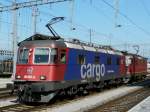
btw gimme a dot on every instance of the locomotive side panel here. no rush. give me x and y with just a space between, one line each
112 66
84 64
140 65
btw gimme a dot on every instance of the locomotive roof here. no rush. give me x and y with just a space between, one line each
78 44
132 54
35 40
38 37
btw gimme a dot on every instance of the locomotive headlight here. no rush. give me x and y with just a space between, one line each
42 77
18 77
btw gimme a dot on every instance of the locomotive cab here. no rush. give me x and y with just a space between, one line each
31 62
37 60
40 66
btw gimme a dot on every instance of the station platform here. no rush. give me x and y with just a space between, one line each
4 82
143 106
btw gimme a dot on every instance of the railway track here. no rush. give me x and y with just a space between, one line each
5 93
124 103
33 108
3 89
16 108
120 105
41 107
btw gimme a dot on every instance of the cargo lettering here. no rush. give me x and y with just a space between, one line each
92 70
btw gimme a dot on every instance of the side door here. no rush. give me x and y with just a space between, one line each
122 65
128 64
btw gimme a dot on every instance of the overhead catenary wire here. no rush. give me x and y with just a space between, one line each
101 12
98 10
107 17
29 4
78 25
145 7
20 25
86 29
10 1
127 18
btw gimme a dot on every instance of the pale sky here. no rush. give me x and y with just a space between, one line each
98 15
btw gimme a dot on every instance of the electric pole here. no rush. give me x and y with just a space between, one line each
116 13
71 14
110 37
14 37
0 16
34 15
90 31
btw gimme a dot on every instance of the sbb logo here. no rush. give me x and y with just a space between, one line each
92 70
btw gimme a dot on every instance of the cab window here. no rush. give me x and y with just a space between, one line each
53 56
41 55
63 56
23 56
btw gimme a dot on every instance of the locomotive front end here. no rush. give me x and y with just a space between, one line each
37 70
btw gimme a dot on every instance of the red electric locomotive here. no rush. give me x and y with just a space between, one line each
135 65
50 65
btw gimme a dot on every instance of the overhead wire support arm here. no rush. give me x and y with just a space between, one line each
29 4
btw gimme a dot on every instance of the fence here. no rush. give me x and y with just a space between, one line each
6 62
